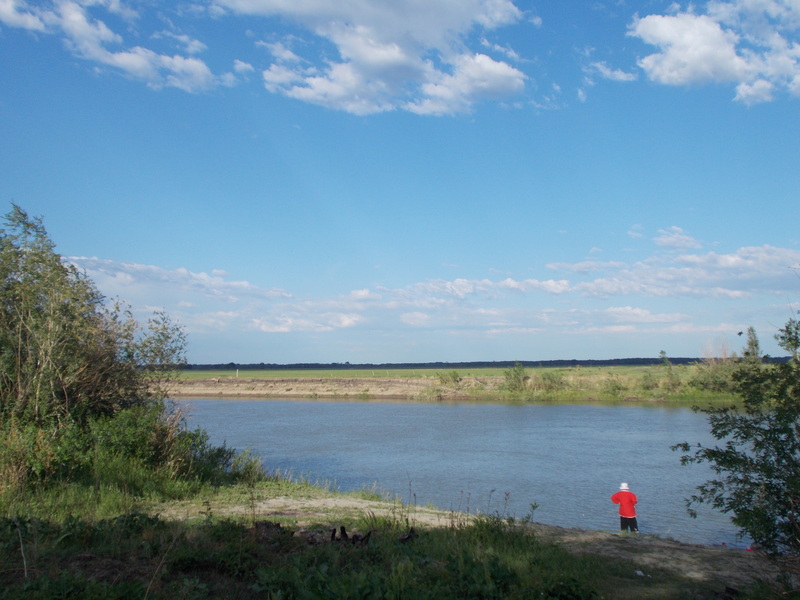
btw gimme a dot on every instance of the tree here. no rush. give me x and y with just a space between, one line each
71 363
64 353
752 349
758 466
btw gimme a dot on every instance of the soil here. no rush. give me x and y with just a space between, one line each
400 388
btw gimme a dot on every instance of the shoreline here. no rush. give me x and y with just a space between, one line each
332 388
719 567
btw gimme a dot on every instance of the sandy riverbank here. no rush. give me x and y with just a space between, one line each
660 564
405 388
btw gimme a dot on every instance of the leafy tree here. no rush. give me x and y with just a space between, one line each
752 349
64 353
672 381
71 363
757 466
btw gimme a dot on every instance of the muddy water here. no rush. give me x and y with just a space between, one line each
568 459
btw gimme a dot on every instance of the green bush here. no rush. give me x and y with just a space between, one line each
715 375
649 381
757 464
83 385
551 381
515 379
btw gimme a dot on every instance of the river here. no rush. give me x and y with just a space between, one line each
568 459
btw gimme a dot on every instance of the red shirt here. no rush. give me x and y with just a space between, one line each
627 503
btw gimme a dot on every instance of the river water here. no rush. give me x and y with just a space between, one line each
568 459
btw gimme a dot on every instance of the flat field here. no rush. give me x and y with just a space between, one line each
652 383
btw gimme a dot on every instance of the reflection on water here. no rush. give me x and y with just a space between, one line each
568 459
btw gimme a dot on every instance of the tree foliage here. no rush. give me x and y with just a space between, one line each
757 464
65 354
83 386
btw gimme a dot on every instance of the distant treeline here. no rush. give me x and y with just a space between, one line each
615 362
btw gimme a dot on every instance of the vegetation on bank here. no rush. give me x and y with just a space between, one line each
704 382
756 462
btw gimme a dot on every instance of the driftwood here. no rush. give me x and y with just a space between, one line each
356 539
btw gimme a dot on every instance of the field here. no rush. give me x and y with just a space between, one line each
331 373
653 383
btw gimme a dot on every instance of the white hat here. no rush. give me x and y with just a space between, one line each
623 486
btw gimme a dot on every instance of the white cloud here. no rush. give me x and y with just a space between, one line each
587 266
674 237
693 49
406 54
415 319
681 294
607 72
750 43
16 13
298 323
641 315
190 45
91 39
474 77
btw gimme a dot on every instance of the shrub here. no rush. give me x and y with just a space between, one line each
758 466
83 385
515 379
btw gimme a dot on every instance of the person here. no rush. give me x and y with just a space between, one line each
627 508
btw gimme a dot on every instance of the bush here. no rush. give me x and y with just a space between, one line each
515 379
83 385
758 466
715 375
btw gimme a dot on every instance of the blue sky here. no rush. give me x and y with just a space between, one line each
375 181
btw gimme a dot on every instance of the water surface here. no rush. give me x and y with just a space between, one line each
568 459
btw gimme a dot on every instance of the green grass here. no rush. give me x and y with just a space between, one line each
142 556
400 373
317 373
564 385
197 548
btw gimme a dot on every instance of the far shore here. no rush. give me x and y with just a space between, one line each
410 389
379 388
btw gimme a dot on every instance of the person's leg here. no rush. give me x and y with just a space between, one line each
634 525
623 524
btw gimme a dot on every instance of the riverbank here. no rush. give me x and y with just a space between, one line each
317 387
649 566
426 388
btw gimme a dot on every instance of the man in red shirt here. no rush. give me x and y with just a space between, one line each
627 508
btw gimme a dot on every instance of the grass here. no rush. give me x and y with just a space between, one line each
138 554
216 544
616 384
309 373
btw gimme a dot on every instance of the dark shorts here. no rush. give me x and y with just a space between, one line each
628 524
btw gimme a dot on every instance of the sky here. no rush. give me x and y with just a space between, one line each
416 180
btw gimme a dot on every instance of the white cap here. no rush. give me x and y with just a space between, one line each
623 486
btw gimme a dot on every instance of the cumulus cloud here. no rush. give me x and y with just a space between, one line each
402 55
752 44
91 38
662 294
16 13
